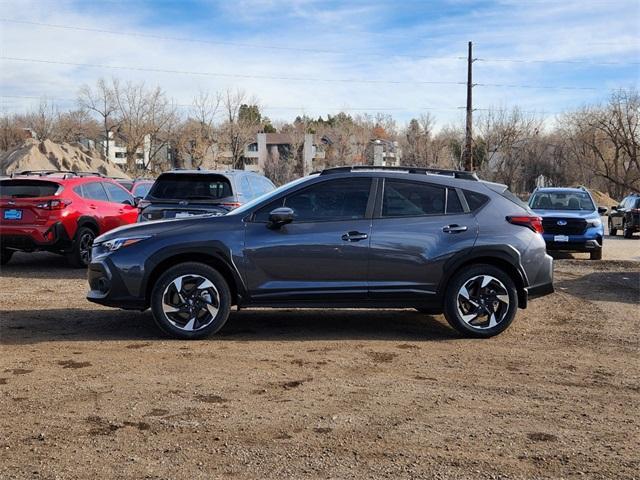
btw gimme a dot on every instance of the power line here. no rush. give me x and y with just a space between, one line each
231 75
305 49
295 79
570 62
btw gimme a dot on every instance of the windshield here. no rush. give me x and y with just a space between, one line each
190 187
562 200
248 206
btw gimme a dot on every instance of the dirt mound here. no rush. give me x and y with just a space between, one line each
48 155
602 199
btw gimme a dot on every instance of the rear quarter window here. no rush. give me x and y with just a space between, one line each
475 200
28 188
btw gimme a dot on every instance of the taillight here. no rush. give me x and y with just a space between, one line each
230 205
58 204
532 222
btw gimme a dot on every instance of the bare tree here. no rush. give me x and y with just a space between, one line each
607 138
507 137
12 132
195 137
242 122
144 117
74 126
43 120
101 101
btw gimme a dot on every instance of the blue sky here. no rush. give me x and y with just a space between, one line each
318 57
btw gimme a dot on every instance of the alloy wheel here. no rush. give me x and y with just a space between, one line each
483 302
86 242
190 302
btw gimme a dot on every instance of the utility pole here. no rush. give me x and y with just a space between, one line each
467 154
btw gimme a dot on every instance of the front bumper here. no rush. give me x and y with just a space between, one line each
106 287
588 241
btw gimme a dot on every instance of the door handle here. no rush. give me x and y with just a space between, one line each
92 207
454 228
354 236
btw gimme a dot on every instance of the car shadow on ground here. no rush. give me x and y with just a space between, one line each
621 287
68 325
40 265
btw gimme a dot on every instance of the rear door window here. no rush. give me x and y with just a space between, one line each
191 187
410 199
117 194
453 202
94 191
27 188
261 185
244 189
141 189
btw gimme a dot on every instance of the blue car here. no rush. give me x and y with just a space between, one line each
570 219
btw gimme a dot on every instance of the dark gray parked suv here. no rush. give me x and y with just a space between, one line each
187 193
434 240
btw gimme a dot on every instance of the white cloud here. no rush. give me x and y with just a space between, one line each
569 30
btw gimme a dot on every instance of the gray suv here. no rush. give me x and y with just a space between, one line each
439 241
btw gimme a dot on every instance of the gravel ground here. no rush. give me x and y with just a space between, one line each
91 392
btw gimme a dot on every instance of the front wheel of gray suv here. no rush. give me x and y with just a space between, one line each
190 301
480 301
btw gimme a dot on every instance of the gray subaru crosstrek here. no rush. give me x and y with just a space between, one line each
439 241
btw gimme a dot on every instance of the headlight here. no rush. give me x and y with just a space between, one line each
596 222
118 243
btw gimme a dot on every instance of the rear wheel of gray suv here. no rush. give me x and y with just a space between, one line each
626 231
480 301
190 301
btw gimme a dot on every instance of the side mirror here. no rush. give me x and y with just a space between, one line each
602 210
615 207
128 202
279 217
136 201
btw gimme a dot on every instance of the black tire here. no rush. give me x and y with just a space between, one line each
80 255
612 230
626 232
161 295
460 279
596 254
5 256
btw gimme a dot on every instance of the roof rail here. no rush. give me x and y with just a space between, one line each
425 171
64 173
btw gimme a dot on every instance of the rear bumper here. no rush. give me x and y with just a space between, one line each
541 284
35 237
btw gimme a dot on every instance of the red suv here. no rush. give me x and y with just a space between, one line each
60 212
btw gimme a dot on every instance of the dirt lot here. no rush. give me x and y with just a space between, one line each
89 392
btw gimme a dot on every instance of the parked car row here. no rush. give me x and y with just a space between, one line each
439 241
63 211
